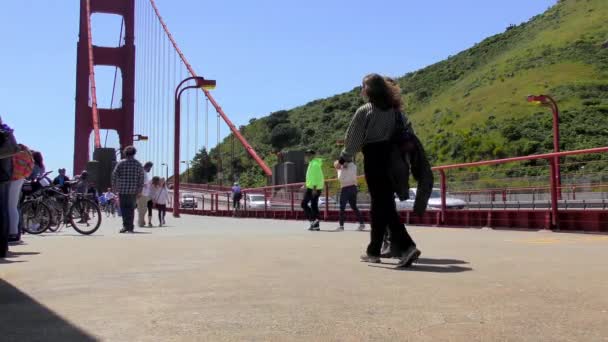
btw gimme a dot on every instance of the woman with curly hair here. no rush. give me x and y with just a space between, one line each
370 131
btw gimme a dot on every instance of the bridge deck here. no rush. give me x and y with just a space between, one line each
215 279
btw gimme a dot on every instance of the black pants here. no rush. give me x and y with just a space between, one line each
150 205
127 208
311 196
383 209
162 212
348 195
4 220
236 201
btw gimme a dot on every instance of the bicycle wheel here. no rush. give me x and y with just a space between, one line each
57 214
57 220
36 217
85 216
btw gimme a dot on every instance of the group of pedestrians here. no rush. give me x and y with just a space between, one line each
390 149
137 190
18 164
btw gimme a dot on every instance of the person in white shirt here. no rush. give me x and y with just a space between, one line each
144 202
347 176
160 197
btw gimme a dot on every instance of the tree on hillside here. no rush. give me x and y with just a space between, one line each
284 135
203 170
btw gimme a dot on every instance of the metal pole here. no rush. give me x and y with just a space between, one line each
556 139
554 213
326 214
443 193
176 133
176 141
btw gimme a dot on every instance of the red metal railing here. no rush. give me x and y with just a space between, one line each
545 211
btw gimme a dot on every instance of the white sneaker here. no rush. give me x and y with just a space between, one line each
361 227
371 259
408 257
340 229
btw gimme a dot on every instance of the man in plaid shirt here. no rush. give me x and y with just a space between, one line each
128 182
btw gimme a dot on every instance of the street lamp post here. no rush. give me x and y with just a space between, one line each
556 178
187 170
201 82
166 170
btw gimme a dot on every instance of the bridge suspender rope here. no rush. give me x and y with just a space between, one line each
93 88
208 95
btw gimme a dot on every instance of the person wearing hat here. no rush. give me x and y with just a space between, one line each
314 185
62 181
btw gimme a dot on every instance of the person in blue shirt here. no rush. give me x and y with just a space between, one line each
236 196
62 181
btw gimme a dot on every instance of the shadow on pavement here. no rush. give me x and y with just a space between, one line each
13 255
429 261
426 268
25 319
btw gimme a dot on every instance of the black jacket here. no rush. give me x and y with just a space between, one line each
407 154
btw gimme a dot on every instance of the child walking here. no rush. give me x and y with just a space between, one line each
161 196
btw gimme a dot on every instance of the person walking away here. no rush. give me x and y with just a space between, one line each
144 202
62 181
370 130
236 198
314 185
128 182
347 176
23 164
161 198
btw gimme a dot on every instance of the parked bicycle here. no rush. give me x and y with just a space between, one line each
47 207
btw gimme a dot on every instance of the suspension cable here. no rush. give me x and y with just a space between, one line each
122 23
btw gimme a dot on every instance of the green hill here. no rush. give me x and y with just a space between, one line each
472 106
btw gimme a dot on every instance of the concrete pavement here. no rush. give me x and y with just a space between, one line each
218 279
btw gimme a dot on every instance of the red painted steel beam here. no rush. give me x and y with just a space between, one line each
525 158
218 108
120 119
94 112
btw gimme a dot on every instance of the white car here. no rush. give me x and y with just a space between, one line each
434 201
256 201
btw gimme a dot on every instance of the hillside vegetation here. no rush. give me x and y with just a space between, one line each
471 106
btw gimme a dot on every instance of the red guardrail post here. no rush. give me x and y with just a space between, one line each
293 200
228 202
203 203
554 196
265 201
326 200
443 194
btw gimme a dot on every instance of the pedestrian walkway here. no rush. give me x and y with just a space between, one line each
220 279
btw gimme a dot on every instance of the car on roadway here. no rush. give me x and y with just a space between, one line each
189 202
330 200
256 202
434 201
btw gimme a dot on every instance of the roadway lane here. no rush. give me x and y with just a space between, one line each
222 279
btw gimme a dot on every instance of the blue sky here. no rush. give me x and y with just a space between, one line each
266 55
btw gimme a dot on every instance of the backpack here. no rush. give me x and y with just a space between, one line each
23 164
